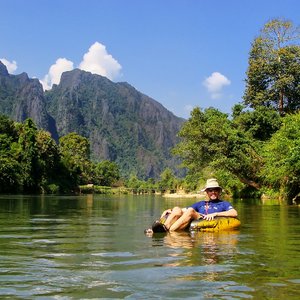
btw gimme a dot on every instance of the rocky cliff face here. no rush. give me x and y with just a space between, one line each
22 98
122 124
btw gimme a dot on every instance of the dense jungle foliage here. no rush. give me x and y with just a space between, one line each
257 150
32 162
254 151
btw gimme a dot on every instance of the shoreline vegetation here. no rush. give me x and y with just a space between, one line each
181 194
169 194
90 189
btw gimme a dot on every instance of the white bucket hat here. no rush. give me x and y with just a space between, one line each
210 184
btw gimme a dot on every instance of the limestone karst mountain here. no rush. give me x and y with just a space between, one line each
121 123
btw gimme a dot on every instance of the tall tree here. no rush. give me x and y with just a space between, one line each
49 159
168 181
106 173
75 154
273 75
260 123
281 170
211 140
10 168
29 156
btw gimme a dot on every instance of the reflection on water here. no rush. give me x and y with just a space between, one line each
84 247
203 248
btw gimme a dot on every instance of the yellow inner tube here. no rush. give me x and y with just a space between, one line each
217 224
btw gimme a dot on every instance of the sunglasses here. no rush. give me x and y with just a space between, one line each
216 190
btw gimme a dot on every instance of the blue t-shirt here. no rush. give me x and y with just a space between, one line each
209 207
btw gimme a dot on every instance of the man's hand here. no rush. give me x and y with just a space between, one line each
210 217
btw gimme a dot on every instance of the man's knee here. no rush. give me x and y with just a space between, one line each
190 212
177 211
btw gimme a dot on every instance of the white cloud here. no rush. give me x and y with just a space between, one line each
53 77
98 61
215 83
11 66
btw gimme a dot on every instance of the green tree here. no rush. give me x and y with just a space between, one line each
167 180
106 173
260 124
28 153
210 140
196 135
75 153
21 156
133 182
273 75
192 180
281 170
10 175
49 159
10 169
7 127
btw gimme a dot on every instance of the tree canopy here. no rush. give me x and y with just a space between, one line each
273 75
258 145
32 162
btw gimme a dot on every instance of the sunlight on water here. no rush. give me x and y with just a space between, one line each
93 247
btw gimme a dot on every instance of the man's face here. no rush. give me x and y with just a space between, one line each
213 193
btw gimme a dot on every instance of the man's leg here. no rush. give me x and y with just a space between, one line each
175 214
189 215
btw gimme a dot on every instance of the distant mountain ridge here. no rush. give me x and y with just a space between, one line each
22 97
122 124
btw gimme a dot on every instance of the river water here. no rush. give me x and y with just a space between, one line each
94 247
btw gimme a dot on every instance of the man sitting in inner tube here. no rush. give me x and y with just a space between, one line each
179 218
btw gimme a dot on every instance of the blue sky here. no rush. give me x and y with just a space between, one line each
182 53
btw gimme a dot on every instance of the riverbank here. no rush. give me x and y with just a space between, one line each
90 188
180 194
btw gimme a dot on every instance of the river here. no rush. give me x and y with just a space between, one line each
94 247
